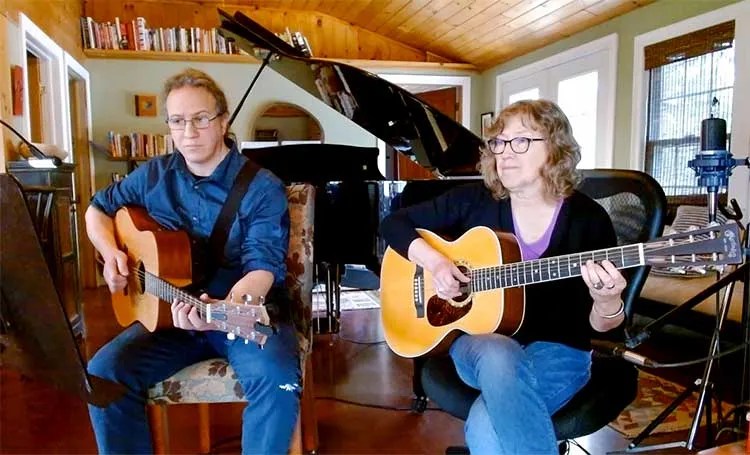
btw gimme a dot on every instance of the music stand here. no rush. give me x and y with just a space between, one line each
35 336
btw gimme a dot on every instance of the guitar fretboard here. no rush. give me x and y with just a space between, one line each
549 269
168 292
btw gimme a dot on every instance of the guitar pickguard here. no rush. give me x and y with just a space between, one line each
441 312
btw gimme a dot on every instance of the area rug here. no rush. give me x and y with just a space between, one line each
350 300
654 395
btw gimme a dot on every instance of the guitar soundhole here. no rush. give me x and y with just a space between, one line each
140 278
441 312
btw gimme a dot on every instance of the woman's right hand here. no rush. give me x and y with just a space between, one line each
446 278
116 271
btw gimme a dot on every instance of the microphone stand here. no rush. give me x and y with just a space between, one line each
704 385
713 167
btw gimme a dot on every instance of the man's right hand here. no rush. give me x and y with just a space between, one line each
116 271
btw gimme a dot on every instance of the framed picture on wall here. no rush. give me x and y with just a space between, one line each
145 105
486 123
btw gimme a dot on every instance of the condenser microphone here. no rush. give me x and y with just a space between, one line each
618 350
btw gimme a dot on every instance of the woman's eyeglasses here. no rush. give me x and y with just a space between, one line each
519 145
199 122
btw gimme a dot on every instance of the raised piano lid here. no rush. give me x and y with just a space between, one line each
400 119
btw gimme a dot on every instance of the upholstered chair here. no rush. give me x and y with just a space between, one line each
214 381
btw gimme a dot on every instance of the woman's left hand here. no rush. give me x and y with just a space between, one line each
603 279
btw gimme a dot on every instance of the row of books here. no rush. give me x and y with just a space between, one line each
296 40
137 36
139 145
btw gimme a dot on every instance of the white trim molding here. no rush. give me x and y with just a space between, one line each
53 76
73 68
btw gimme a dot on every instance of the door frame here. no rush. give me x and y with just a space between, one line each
83 159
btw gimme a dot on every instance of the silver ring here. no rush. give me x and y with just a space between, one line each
598 285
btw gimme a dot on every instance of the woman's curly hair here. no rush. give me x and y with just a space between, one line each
559 174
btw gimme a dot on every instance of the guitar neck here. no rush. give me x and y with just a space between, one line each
168 292
554 268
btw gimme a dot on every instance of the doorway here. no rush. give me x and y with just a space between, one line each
78 94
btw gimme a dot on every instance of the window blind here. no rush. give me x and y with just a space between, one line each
686 74
693 44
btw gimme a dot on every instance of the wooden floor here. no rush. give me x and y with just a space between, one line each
363 393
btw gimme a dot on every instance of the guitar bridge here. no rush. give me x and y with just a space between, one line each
418 291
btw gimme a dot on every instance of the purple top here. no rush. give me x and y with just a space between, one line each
534 250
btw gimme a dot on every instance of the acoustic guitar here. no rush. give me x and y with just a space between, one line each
160 265
416 321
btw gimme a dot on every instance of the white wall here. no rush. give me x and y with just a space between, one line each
115 82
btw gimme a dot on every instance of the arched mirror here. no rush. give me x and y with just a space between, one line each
284 123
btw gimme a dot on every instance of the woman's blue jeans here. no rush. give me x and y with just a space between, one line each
520 388
136 358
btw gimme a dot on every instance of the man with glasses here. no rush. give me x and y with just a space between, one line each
186 191
529 179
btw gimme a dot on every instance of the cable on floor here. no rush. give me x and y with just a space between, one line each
375 406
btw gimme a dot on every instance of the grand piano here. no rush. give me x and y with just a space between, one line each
352 194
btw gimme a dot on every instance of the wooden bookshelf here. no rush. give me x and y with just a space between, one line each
173 56
242 58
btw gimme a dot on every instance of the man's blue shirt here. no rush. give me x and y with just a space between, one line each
178 200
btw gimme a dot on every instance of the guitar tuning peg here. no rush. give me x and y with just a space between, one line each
262 300
247 299
231 296
231 336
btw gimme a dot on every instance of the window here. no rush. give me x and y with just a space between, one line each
581 81
530 94
686 74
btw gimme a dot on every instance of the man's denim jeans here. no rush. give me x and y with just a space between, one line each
136 358
521 387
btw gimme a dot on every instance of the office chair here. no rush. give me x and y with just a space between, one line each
637 206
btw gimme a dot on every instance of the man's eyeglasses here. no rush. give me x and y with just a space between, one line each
199 122
519 145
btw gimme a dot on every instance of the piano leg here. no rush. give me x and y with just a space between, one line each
328 321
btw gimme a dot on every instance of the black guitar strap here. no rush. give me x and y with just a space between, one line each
220 231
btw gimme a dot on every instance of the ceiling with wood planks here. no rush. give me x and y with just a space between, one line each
484 33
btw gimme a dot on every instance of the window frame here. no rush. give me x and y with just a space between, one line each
739 182
641 75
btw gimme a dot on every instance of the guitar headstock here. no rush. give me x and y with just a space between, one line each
714 245
244 320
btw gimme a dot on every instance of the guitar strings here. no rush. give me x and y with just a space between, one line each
627 253
165 286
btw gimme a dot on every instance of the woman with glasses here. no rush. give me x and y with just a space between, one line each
186 191
529 176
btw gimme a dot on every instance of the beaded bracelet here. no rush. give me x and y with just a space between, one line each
613 315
